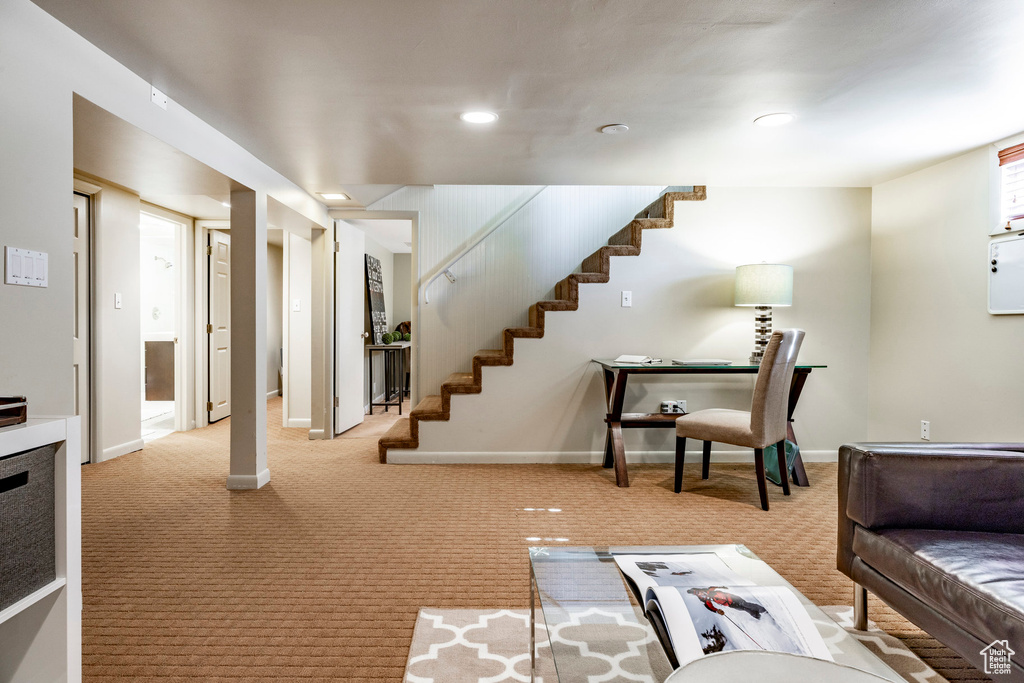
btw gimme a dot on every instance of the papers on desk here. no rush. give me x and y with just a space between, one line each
701 361
636 360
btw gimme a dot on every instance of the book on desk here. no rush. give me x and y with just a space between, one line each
635 360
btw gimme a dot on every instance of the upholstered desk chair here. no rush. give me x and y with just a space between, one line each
764 425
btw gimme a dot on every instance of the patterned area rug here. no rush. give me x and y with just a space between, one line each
492 646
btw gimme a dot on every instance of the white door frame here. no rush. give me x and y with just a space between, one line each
184 349
322 334
414 218
89 449
202 315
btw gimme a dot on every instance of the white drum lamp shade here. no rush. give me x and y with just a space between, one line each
763 285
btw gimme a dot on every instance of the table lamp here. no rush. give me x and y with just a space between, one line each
763 285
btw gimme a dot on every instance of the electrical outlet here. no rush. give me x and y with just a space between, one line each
926 430
627 299
682 406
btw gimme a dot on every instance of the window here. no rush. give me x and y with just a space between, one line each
1011 197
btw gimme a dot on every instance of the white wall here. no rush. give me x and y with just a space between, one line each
298 254
275 306
550 404
117 367
402 289
42 63
515 267
936 353
387 274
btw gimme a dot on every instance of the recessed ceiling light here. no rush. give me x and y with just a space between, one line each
614 129
478 116
334 196
772 120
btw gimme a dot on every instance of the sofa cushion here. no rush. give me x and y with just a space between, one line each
975 578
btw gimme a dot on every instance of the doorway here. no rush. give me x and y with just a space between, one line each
389 238
161 311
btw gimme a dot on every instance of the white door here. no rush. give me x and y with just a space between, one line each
219 329
349 324
81 323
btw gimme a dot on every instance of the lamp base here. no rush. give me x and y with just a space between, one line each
762 332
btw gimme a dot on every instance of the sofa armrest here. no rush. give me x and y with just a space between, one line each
959 487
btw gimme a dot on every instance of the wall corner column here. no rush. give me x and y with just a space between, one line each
248 469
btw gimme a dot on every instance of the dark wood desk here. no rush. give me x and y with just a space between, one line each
615 377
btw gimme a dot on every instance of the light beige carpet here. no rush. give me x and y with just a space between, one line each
493 646
320 575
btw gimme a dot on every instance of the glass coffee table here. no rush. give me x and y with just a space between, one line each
597 633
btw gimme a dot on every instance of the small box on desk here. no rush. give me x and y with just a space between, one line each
13 410
27 530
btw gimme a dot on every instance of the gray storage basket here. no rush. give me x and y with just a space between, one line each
27 543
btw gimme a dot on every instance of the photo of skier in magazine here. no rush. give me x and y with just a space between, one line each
748 618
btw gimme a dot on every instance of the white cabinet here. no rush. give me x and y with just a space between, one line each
41 635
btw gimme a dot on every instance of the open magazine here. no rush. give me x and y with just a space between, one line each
698 605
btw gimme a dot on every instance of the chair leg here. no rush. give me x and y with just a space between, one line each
707 461
680 455
780 448
860 607
762 486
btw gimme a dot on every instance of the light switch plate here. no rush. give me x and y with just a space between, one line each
627 299
296 305
117 299
26 267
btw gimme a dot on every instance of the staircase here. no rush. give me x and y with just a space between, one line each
596 268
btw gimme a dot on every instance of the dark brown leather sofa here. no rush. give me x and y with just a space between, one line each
937 532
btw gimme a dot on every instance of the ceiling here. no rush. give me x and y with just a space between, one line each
393 235
337 94
111 149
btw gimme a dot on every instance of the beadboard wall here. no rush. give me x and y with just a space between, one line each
512 269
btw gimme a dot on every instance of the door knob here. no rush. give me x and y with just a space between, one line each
364 335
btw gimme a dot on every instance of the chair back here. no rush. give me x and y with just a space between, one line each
771 391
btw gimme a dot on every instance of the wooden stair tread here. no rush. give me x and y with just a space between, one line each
594 269
460 383
400 432
525 332
430 408
398 436
557 305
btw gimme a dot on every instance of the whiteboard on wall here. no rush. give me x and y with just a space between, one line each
1006 275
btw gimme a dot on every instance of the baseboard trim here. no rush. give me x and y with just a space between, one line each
121 449
299 423
244 482
400 456
272 394
316 434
